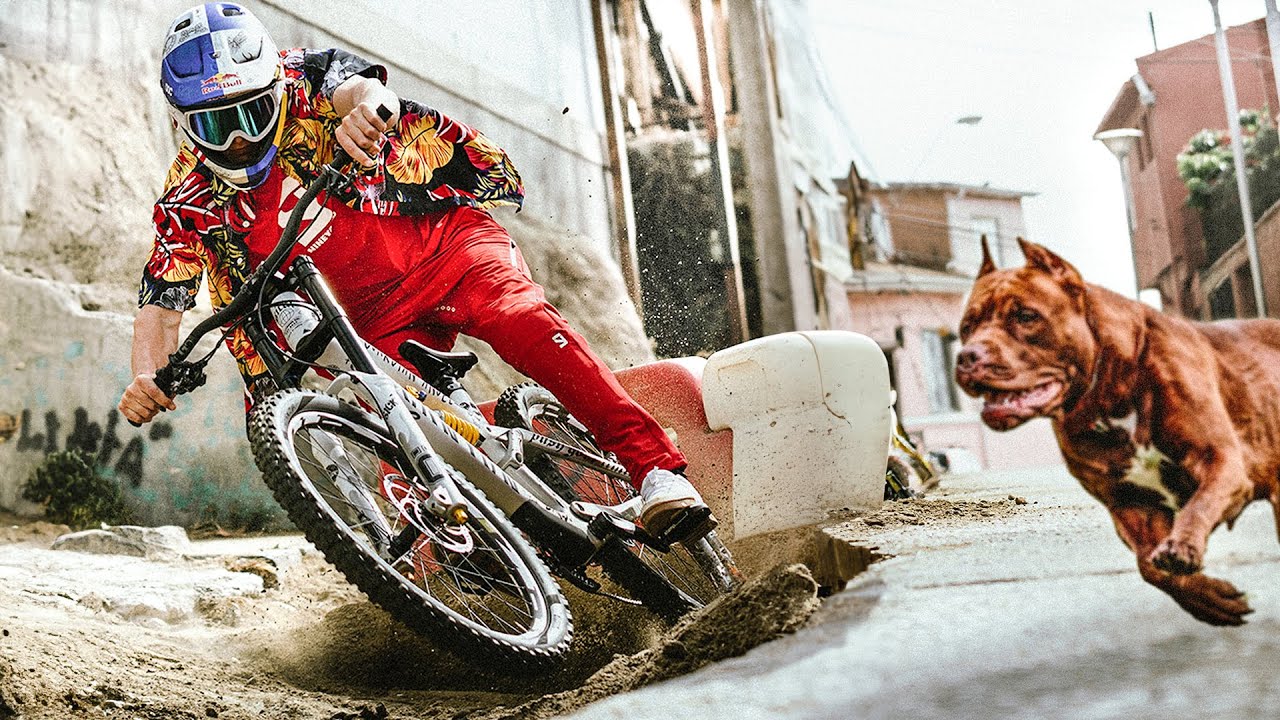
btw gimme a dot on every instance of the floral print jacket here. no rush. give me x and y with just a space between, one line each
429 162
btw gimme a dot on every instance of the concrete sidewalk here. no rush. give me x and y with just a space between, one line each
1038 614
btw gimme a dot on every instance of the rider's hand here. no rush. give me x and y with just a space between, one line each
360 133
143 399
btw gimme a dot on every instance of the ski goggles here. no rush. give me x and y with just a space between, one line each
252 119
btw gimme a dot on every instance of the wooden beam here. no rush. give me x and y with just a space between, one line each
624 219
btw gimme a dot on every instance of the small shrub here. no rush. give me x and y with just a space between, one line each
72 492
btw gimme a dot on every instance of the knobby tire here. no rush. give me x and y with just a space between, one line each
273 425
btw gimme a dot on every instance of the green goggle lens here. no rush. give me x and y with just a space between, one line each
254 118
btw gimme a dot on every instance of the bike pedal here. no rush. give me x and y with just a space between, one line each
607 523
690 526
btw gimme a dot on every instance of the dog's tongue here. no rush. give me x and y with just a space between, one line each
1003 407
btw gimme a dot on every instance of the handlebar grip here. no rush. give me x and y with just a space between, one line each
164 380
341 158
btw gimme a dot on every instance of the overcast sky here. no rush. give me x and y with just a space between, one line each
1041 75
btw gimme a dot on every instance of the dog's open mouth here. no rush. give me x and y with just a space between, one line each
1005 408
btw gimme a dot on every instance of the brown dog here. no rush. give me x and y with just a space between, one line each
1173 425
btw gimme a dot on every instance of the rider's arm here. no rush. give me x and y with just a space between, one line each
155 336
356 101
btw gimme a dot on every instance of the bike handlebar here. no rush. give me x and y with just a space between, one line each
179 376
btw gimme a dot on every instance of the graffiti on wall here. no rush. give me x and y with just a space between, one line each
100 441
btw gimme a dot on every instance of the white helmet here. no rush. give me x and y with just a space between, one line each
222 77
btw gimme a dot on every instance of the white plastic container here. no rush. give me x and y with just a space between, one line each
810 418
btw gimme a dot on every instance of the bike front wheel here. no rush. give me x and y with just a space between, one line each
686 576
477 588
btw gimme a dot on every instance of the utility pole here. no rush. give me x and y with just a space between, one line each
772 192
624 216
722 187
1237 153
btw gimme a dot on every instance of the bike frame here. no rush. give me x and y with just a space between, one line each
494 463
432 447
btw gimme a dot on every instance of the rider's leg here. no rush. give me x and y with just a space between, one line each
488 294
494 299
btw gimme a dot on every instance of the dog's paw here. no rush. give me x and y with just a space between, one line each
1210 600
1178 556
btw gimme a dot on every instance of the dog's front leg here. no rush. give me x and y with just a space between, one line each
1207 599
1222 491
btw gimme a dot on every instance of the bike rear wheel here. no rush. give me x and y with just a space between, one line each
698 574
477 588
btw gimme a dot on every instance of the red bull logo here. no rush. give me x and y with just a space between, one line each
221 81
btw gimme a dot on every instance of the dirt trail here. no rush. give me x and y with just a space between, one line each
313 647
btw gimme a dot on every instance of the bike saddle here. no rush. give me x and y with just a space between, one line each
433 365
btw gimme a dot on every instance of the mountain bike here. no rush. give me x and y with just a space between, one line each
453 524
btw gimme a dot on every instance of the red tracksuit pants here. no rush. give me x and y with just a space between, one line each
469 277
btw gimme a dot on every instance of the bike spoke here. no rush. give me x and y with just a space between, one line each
497 601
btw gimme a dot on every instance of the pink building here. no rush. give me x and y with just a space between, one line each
1175 94
917 252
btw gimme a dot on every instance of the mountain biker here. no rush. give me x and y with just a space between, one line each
407 247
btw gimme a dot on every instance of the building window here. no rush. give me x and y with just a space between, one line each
1222 301
990 227
966 245
939 369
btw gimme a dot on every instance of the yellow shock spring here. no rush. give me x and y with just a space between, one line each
469 432
460 425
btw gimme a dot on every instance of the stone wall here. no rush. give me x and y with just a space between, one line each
61 372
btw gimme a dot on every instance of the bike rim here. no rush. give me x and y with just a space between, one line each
474 575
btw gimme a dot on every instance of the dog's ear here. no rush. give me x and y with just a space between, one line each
988 265
1043 259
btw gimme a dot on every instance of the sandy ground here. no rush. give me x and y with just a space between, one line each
305 644
311 646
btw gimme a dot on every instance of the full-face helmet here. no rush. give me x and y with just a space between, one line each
222 77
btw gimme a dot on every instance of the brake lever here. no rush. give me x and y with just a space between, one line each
177 378
341 158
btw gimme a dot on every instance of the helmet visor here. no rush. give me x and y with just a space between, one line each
253 119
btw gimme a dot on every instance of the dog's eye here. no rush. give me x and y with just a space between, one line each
1026 316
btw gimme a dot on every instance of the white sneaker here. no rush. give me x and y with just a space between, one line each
665 496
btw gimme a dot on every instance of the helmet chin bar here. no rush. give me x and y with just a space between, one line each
250 177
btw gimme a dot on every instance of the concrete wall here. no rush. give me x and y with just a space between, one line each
533 92
85 142
61 371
